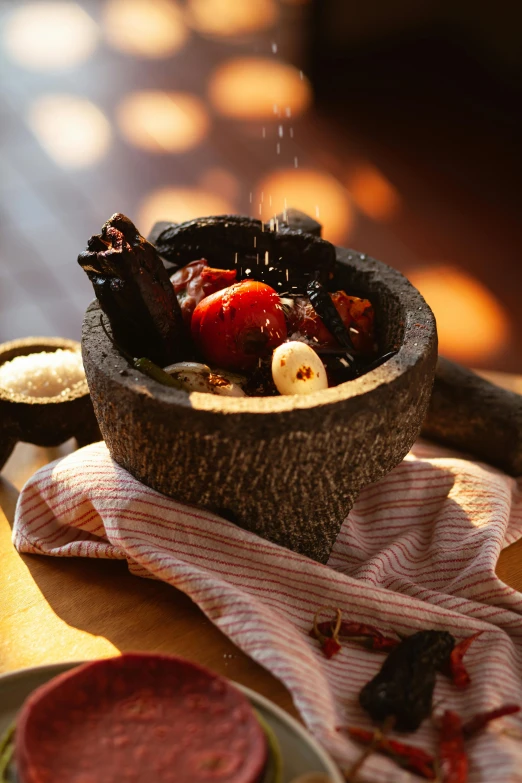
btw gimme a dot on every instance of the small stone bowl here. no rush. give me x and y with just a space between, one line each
288 468
43 421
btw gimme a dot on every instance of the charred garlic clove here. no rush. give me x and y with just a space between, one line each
224 386
197 377
297 369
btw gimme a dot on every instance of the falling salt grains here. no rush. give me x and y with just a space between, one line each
280 131
45 374
266 258
288 111
250 197
274 48
278 148
301 75
263 133
291 131
296 163
317 210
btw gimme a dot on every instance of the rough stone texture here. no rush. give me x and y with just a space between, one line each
43 421
475 416
287 468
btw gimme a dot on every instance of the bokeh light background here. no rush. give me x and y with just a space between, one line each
170 110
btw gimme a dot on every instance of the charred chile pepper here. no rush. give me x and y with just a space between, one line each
134 290
326 310
452 753
404 686
458 672
245 244
407 756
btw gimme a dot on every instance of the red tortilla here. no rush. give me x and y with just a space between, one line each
139 719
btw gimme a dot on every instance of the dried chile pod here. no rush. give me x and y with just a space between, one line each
403 688
295 220
285 260
327 312
135 292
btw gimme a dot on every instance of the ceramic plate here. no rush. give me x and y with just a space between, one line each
301 753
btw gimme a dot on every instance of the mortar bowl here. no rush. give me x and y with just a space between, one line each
287 468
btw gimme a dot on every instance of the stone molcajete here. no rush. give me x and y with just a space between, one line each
288 468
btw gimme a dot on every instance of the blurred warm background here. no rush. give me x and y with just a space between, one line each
396 123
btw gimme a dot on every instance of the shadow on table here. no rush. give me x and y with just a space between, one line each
102 598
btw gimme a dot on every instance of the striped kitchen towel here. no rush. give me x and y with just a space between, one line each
417 551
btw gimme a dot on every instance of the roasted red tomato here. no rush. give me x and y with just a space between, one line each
357 315
233 328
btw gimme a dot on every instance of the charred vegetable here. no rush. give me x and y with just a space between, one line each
403 689
134 290
295 220
286 259
297 369
197 280
327 312
197 377
356 314
237 326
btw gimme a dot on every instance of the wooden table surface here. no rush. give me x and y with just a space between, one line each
59 609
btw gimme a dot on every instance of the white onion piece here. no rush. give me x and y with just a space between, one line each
197 377
173 369
297 369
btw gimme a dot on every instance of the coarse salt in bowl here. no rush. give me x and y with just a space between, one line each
44 374
44 397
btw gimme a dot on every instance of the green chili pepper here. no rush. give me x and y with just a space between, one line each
153 371
6 753
145 366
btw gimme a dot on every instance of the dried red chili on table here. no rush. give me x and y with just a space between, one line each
481 719
328 640
452 753
458 672
367 635
407 756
